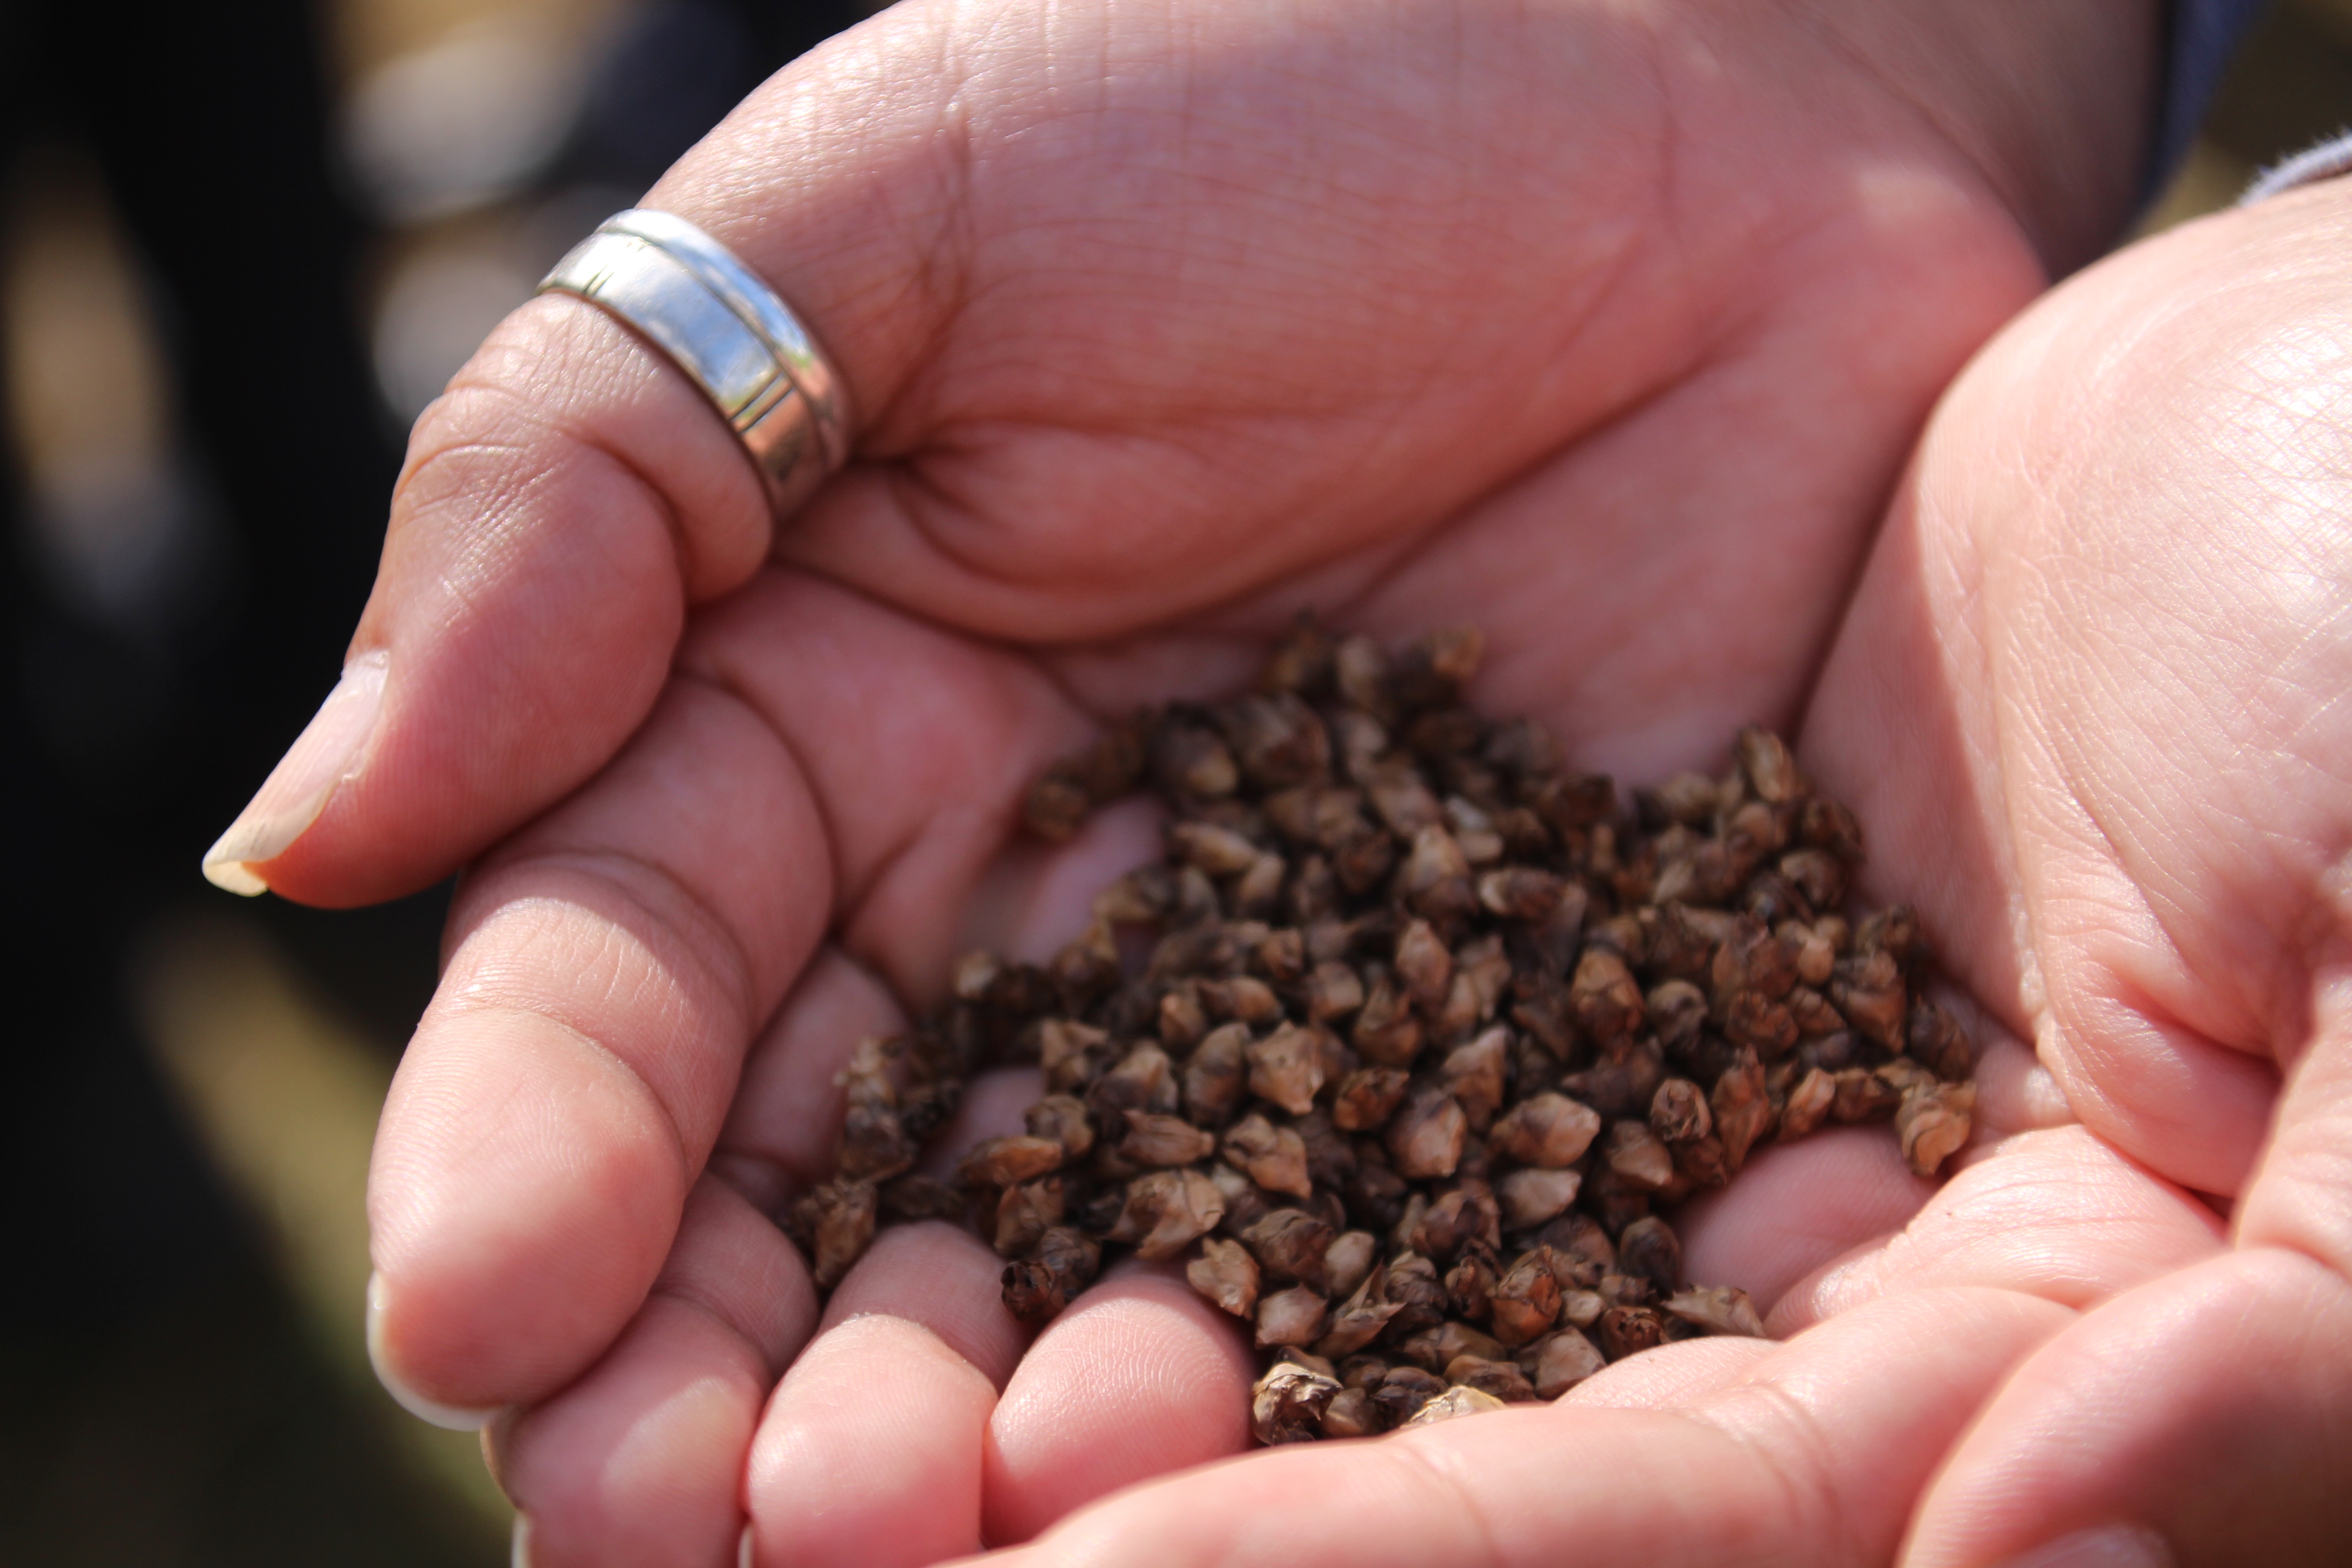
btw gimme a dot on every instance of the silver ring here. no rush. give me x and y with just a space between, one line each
728 333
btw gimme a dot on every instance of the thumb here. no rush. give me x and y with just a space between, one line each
572 496
2205 1417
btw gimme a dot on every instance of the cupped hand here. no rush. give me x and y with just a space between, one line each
2089 702
1605 327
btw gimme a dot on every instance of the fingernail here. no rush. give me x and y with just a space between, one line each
2109 1546
522 1556
743 1557
456 1417
297 789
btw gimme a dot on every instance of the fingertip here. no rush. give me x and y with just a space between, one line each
1139 1377
395 1381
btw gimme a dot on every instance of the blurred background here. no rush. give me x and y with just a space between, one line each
241 246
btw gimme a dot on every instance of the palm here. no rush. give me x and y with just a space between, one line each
1635 427
2044 701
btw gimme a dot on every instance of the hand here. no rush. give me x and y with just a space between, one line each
1605 328
2088 703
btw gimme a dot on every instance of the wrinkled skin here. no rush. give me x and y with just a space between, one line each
1607 328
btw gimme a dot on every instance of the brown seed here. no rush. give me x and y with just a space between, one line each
1934 1038
1435 878
838 1219
1361 1320
1006 1162
1278 740
1216 1074
1765 1026
1451 1340
1742 1110
1164 1140
1717 1308
1638 1155
1602 998
1286 1405
1351 1414
1520 892
1809 1104
1333 991
1367 1097
1424 966
1024 1214
1470 1284
1501 1379
874 1145
1219 851
1226 1274
1055 808
1245 997
1386 1030
906 1199
1868 989
1292 1317
1863 1095
1463 1213
1165 1210
1062 1117
1677 1009
1349 1261
1068 1051
1547 1130
1563 1360
1038 1287
1144 1079
1527 1299
1627 1330
1474 1075
1933 1123
1274 1157
1679 1113
1649 1249
1286 1068
1190 760
1531 1197
1404 1391
1752 958
1771 770
1425 1136
1701 1162
1455 1402
1813 1014
1290 1243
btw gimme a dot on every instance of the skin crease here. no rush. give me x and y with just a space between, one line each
1127 408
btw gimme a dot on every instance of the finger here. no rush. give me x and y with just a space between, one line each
784 1124
639 1463
869 1451
2196 1420
2202 1413
2060 1214
1811 1458
1796 1206
572 494
611 962
567 1081
1139 1377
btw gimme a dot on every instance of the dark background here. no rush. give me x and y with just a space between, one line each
197 191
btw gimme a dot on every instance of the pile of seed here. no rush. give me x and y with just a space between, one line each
1406 1038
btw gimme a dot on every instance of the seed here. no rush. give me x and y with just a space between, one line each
1718 1309
1422 1021
1455 1401
1286 1405
1292 1317
1226 1274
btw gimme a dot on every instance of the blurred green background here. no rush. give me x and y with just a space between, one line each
196 458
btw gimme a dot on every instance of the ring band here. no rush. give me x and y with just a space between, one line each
729 333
